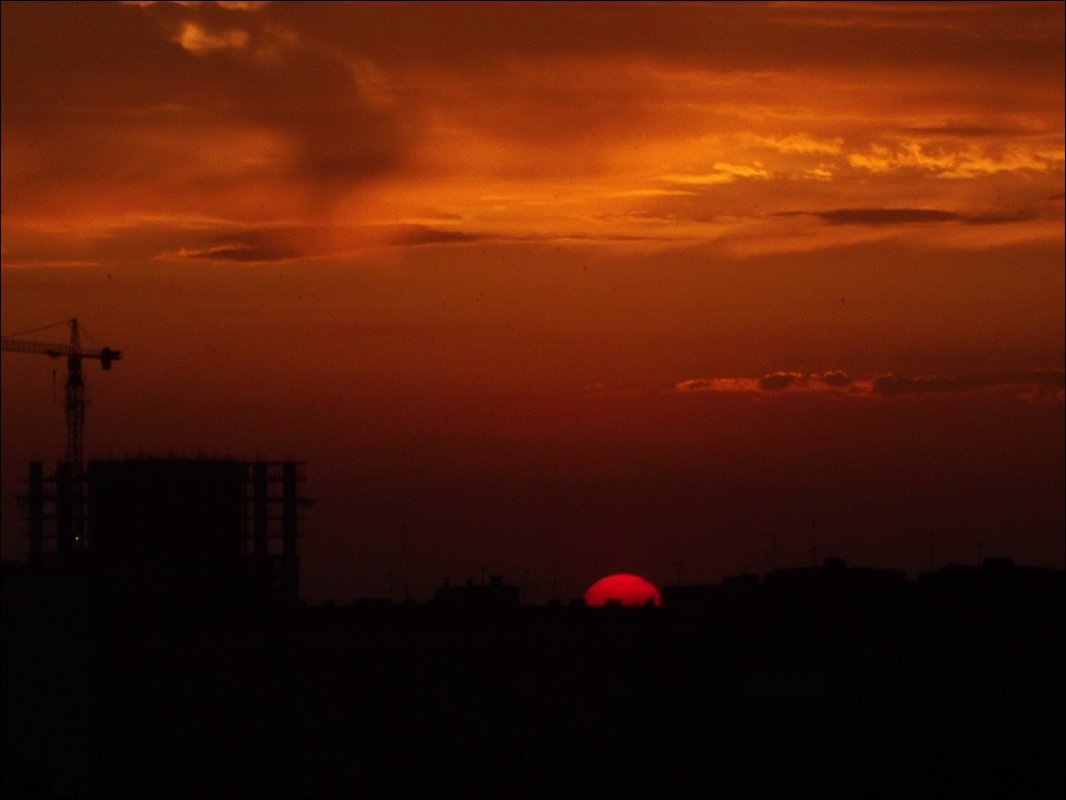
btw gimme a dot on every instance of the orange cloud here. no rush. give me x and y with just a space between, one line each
1042 383
197 40
507 119
968 163
802 143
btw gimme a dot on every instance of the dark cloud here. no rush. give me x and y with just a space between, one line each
422 234
245 254
897 385
284 243
196 110
836 378
776 381
908 216
308 94
884 216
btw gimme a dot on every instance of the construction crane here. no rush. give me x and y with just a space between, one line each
74 405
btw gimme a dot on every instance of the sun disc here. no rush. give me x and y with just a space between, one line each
623 589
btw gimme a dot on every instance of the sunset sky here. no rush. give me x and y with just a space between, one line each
661 288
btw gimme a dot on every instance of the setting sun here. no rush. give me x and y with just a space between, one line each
622 589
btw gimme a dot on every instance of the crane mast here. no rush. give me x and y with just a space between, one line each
73 407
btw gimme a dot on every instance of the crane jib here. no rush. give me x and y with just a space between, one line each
106 355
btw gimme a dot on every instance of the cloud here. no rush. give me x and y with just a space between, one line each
722 173
884 216
717 385
837 378
196 40
802 143
410 235
776 381
241 253
1042 383
265 113
755 170
946 161
909 155
238 5
773 382
286 243
822 172
228 5
897 385
646 216
699 178
185 109
910 216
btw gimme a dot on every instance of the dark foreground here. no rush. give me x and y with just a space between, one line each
939 691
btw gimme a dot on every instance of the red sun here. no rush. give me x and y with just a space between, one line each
624 589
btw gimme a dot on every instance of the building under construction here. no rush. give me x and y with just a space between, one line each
170 527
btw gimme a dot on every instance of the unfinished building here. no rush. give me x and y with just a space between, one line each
215 529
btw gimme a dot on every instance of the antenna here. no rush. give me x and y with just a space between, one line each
555 565
814 543
406 569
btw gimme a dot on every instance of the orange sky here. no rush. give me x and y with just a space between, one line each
631 283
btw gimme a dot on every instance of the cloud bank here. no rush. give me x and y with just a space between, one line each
1042 383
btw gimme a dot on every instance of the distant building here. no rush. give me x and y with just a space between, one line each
993 576
833 590
494 594
834 574
171 527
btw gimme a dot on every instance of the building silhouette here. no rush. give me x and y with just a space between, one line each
828 681
170 527
471 596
